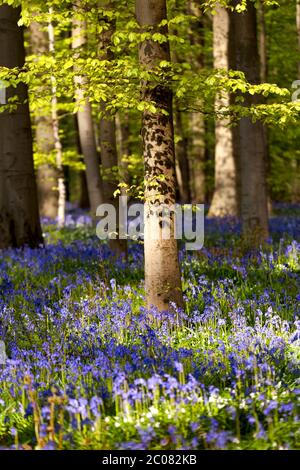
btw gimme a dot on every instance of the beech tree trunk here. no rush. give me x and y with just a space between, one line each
224 202
181 148
85 125
162 272
108 141
19 215
46 172
263 55
296 163
182 165
124 149
197 158
253 186
262 42
197 144
61 214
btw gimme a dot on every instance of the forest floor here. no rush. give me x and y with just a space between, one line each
87 369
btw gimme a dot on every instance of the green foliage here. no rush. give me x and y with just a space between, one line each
117 81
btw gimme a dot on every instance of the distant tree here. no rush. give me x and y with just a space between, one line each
182 157
45 148
85 119
295 162
225 200
252 158
197 124
108 140
62 196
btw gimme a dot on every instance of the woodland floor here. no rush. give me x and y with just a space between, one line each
87 369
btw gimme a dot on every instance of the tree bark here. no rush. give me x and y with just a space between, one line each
46 172
108 141
19 216
197 158
85 124
61 215
254 210
224 202
181 150
263 55
197 144
162 272
124 149
296 163
182 165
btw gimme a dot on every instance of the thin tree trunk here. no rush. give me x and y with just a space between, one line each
181 150
84 201
162 272
85 124
262 42
124 149
197 144
254 210
46 172
181 144
109 157
197 157
108 141
263 55
57 142
19 215
224 202
296 163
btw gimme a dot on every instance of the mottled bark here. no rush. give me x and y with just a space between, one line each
19 216
253 187
44 138
162 272
85 124
224 202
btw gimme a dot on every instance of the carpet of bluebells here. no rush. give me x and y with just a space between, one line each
88 368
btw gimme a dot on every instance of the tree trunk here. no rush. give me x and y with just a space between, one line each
197 158
197 145
224 202
254 210
19 216
162 272
46 172
109 154
263 55
85 125
182 165
61 216
296 162
124 149
181 151
262 42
